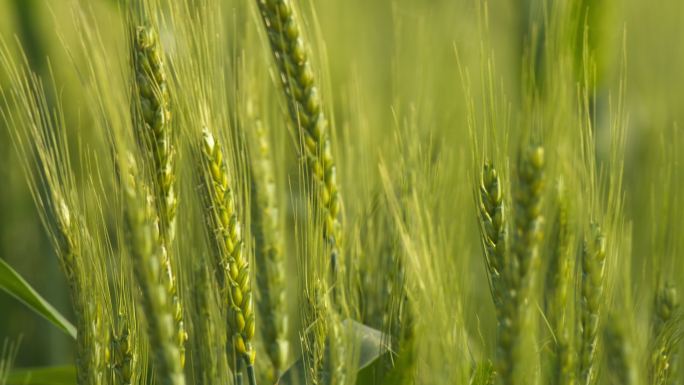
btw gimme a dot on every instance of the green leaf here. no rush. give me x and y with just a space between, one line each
371 344
16 286
51 375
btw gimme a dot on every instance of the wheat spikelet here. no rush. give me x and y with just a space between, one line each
269 255
157 304
591 292
155 133
225 230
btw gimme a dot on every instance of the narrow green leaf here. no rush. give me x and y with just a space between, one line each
16 286
51 375
370 342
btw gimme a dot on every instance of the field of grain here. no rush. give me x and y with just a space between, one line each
328 192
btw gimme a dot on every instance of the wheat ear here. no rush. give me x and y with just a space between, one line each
667 334
492 218
620 349
269 255
521 269
155 134
124 358
157 304
306 111
225 229
209 337
560 282
92 344
593 274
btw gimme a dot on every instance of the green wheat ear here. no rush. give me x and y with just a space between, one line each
158 306
124 361
306 112
591 297
306 109
226 232
559 288
520 271
155 134
620 351
269 254
667 334
493 229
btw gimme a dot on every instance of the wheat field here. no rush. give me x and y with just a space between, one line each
480 192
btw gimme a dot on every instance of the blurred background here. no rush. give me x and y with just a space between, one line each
405 55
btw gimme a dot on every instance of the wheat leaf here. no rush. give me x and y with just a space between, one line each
49 375
16 286
371 343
